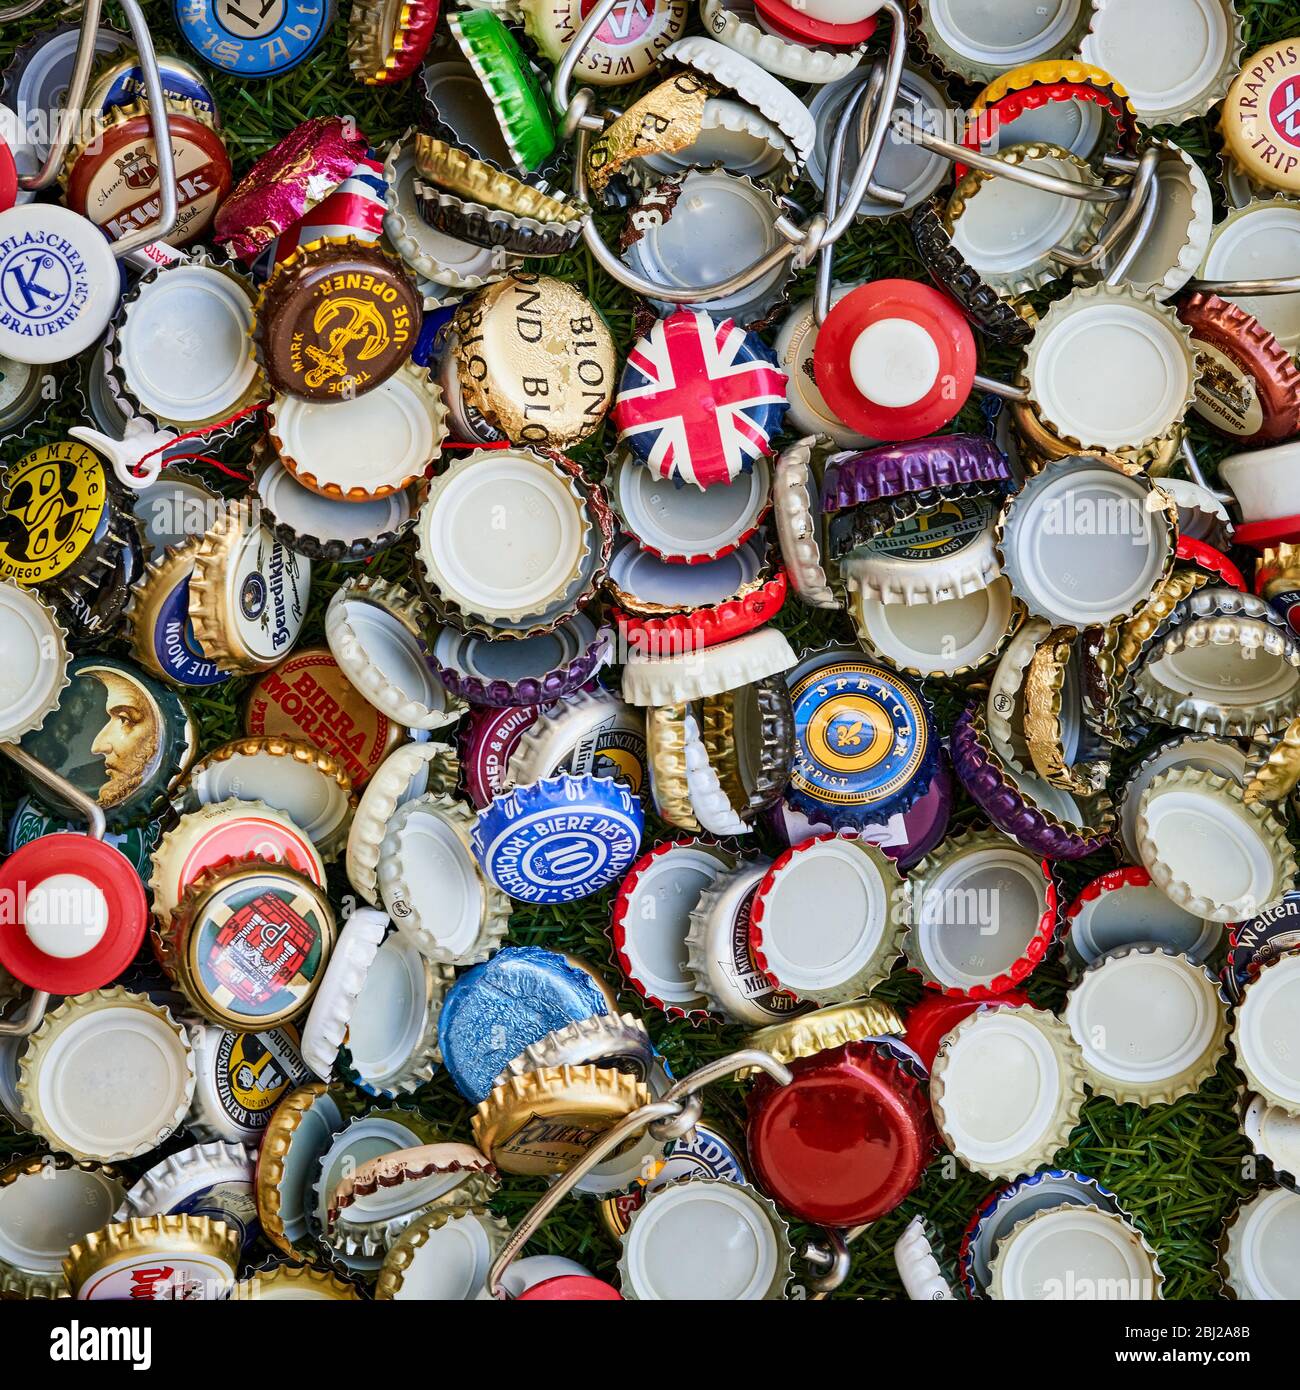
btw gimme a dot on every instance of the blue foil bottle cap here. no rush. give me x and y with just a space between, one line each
497 1009
559 839
866 747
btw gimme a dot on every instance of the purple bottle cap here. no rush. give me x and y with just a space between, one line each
918 465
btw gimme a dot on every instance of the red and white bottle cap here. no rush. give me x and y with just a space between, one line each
895 359
79 914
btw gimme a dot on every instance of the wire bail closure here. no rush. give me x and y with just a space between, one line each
74 100
27 1023
675 1114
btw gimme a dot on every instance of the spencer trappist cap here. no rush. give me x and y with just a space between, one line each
336 319
111 176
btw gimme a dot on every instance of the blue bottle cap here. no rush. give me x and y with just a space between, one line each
497 1009
250 38
125 85
559 839
1274 932
866 747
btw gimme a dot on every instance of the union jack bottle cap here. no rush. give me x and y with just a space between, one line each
699 400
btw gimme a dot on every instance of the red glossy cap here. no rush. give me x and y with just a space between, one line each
1261 534
845 1141
8 178
803 28
571 1288
936 1014
870 333
1206 557
682 633
92 879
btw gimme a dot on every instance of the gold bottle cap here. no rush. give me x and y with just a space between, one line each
223 831
46 1202
445 1254
248 592
308 696
154 1258
828 1028
309 1116
1048 718
665 742
303 782
1280 770
1260 121
667 119
158 621
543 1121
535 359
460 173
82 1108
298 1283
248 944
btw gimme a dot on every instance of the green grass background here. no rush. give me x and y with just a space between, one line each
1179 1169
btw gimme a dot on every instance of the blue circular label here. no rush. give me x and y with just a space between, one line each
863 737
174 645
177 82
254 38
43 283
561 839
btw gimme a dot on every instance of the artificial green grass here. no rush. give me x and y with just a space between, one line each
1178 1169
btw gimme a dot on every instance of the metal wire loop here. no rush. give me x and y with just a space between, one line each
673 1115
71 116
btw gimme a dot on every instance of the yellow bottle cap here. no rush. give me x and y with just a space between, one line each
543 1121
1260 121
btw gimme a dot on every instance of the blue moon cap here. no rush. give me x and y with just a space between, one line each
495 1010
559 839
